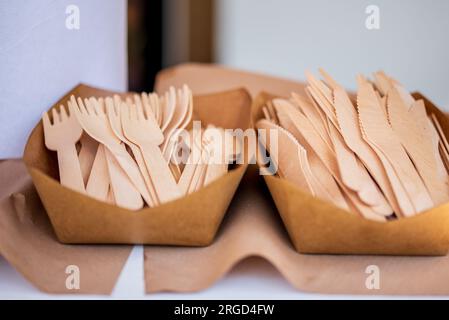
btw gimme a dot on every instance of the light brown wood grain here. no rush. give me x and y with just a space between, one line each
379 133
61 135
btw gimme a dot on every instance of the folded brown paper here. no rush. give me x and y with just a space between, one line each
317 226
34 251
78 218
28 243
252 228
208 78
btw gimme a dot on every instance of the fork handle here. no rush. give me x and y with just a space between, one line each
160 174
129 166
99 181
143 170
125 193
70 169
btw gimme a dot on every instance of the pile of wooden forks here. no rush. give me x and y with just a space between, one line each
377 154
123 151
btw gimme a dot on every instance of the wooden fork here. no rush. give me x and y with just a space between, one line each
192 161
87 154
114 115
168 103
220 153
144 131
180 120
61 136
98 183
96 124
200 169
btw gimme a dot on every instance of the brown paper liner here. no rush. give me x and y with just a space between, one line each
28 242
252 227
316 226
208 78
191 220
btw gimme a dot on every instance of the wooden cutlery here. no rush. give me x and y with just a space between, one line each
382 158
113 109
98 184
379 133
86 155
92 117
126 148
143 130
61 136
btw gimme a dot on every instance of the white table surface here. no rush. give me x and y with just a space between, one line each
253 278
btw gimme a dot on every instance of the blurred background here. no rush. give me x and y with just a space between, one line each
288 37
162 33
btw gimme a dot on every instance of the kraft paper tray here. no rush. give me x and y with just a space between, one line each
192 220
317 226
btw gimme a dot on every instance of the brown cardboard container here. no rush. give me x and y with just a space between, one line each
192 220
317 226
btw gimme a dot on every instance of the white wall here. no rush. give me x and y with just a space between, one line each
287 37
41 59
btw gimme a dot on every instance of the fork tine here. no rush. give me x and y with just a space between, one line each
73 108
98 105
90 108
132 112
138 103
172 95
152 106
130 108
110 106
137 100
129 103
147 106
81 106
162 100
124 112
95 104
63 113
102 105
172 91
69 108
167 98
46 120
185 90
156 105
55 116
139 112
146 103
117 104
73 105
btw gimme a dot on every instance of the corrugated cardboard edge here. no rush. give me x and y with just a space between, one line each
315 226
191 220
